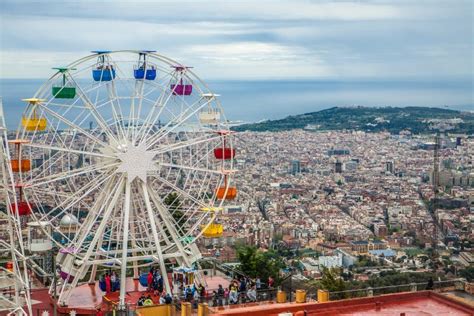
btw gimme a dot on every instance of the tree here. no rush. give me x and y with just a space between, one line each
331 281
262 264
174 206
467 273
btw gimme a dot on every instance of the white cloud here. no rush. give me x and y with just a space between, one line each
259 60
217 10
247 39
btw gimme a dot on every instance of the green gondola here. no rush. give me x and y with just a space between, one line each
63 91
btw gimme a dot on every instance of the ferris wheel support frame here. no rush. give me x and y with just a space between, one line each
20 269
64 296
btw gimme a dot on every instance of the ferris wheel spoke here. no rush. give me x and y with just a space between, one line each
67 175
157 220
151 220
177 121
74 126
98 235
183 144
114 97
126 227
106 200
118 117
191 168
67 105
134 117
181 192
166 218
162 102
96 114
151 118
131 120
68 150
74 199
144 97
183 117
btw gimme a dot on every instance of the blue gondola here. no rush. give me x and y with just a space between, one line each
103 74
104 71
149 74
144 70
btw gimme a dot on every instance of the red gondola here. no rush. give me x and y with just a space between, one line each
24 209
224 153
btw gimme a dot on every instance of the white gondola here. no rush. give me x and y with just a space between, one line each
209 115
70 266
38 236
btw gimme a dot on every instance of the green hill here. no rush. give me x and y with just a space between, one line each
372 119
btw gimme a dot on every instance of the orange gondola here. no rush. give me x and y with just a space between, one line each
22 165
19 164
226 193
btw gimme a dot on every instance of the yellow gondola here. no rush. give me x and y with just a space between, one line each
35 122
213 231
211 209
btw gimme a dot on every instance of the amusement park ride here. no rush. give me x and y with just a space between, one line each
101 148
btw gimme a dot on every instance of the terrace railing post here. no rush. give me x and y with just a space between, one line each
370 292
203 309
459 284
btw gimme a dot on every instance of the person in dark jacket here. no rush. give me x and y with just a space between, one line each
430 284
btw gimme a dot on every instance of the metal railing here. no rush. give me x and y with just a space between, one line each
411 287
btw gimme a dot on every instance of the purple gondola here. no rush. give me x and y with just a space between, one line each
182 89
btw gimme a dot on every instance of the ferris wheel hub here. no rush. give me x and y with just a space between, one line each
136 161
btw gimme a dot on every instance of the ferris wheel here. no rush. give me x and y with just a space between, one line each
122 159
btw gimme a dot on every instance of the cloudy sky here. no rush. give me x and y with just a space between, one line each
288 39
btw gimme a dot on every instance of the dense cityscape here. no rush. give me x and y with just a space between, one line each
353 196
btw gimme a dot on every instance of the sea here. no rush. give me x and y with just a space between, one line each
253 101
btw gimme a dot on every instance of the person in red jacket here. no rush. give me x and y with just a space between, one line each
108 283
149 280
270 282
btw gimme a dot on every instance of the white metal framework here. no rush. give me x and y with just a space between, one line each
122 165
14 284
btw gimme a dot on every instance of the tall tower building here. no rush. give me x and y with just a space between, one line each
295 167
338 167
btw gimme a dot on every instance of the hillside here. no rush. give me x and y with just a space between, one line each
372 119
